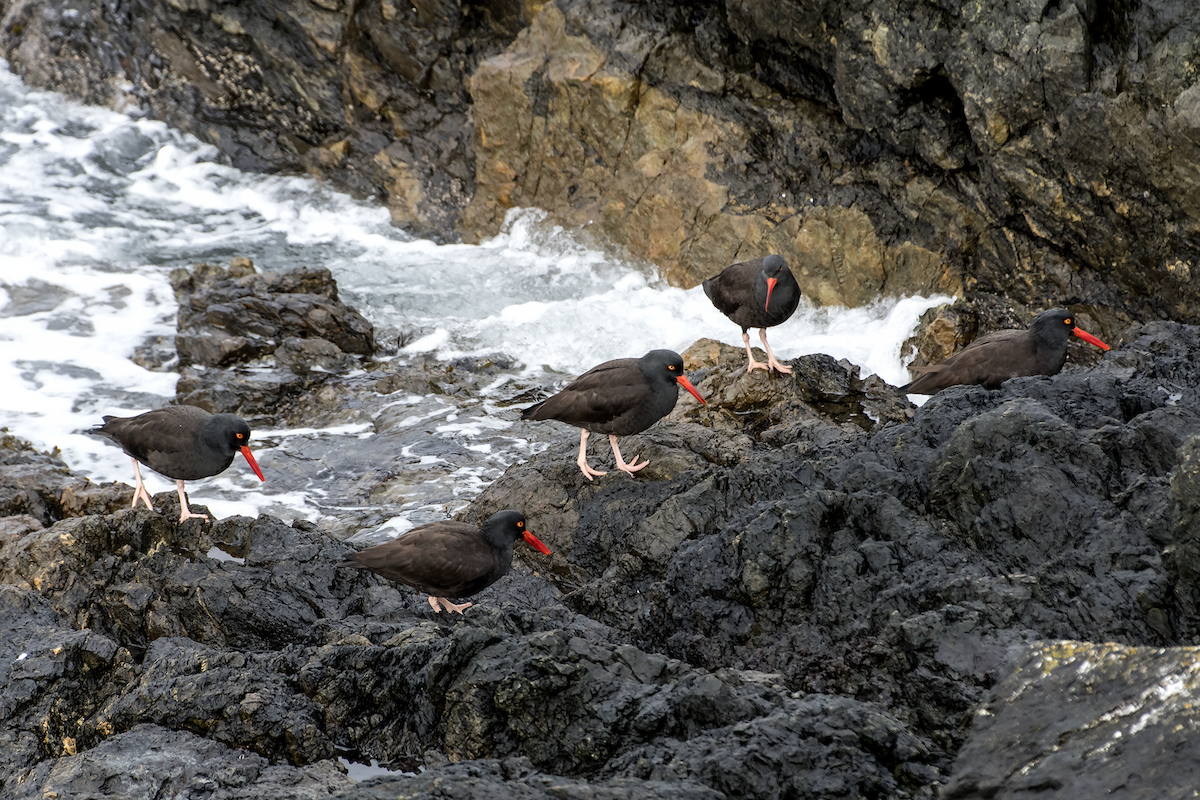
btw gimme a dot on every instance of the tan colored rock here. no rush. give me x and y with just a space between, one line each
558 127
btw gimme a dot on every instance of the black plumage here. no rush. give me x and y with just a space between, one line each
992 359
185 443
761 293
449 559
618 398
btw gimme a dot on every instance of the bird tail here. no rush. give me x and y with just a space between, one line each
99 429
528 413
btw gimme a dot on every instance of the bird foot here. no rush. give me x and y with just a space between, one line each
141 494
187 514
632 466
587 471
771 364
442 604
753 365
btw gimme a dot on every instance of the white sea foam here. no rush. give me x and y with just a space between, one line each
97 207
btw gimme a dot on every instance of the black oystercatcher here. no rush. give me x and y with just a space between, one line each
745 291
449 559
181 442
992 359
619 397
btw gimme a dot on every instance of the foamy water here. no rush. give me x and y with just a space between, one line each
96 209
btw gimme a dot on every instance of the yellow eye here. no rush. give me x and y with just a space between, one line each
240 436
1067 321
520 524
671 367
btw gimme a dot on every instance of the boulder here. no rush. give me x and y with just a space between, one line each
226 319
1083 720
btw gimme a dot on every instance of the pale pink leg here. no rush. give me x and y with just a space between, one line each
185 512
632 466
139 491
771 360
753 365
588 472
442 604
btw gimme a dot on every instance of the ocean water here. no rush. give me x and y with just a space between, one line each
97 207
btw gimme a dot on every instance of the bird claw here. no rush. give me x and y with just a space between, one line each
442 604
141 494
632 466
588 472
782 368
187 514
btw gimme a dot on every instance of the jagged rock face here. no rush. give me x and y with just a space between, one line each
368 94
231 317
809 602
126 630
990 136
1043 728
913 564
1022 157
619 124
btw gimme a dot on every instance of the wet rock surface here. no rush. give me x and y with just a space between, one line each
1046 729
813 591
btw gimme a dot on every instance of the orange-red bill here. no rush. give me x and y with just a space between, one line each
253 463
536 543
1087 337
770 288
685 383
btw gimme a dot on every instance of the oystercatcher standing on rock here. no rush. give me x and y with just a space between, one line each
181 442
756 294
620 398
992 359
449 559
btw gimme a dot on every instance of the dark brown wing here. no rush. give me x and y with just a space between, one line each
734 287
447 559
988 361
600 395
157 438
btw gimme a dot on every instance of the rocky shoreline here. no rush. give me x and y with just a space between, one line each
1017 157
814 590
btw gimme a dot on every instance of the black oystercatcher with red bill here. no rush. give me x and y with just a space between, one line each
185 443
992 359
756 294
449 559
620 398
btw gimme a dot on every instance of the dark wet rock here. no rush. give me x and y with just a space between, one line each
226 320
302 356
231 317
250 392
819 388
39 488
786 602
243 634
151 761
1077 720
914 564
495 779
